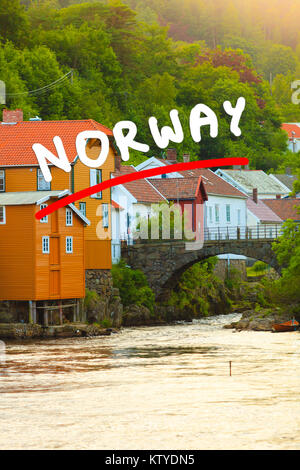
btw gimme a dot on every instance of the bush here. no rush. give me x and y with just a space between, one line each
91 299
133 286
259 267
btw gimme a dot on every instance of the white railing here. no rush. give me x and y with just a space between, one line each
256 232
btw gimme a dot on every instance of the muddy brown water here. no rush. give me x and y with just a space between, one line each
162 387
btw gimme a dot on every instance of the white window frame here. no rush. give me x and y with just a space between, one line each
69 217
105 216
228 213
81 205
69 248
96 178
2 177
4 215
239 216
44 220
40 177
46 248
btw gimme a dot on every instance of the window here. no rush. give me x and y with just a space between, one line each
239 216
44 220
69 244
2 180
228 213
42 184
82 208
95 178
217 213
2 215
210 212
105 215
46 245
69 217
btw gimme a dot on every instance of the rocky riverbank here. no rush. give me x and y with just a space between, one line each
29 330
259 321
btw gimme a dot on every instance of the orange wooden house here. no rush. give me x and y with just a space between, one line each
40 260
19 171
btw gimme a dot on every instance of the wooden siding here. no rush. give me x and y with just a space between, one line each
17 254
70 266
29 274
98 253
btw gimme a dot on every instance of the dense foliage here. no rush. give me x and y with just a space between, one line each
287 250
200 292
133 286
127 64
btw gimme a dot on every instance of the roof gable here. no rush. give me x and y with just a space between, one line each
180 188
38 198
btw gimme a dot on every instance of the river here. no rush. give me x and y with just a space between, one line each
164 387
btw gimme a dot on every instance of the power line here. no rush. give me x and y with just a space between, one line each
46 88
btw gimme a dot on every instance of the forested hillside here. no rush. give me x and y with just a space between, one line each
139 59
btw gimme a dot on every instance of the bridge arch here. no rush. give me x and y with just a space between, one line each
163 263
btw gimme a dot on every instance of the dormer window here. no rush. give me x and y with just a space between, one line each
2 180
42 184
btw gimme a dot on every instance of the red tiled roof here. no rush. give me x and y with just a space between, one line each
178 188
262 211
284 208
142 190
289 128
214 184
16 140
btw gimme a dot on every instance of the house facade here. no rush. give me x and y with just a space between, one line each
132 203
19 171
41 260
225 206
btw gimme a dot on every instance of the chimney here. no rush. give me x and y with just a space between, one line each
278 196
186 157
255 195
172 155
118 163
12 116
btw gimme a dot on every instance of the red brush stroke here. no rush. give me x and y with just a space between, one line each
218 162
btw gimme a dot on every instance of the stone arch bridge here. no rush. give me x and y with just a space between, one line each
164 261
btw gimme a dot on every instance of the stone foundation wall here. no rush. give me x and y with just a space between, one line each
108 305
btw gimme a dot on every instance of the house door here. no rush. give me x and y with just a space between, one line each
54 251
54 267
54 283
